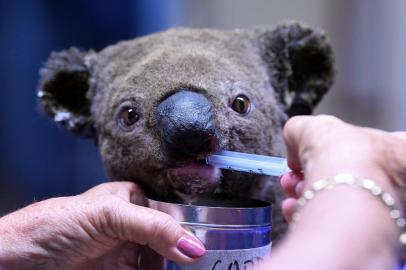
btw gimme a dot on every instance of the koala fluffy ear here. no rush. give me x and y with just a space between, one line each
63 91
300 63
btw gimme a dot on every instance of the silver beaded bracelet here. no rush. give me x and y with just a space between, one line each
366 184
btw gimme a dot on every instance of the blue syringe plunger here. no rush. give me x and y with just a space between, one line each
251 163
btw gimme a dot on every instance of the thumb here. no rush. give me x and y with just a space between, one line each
126 221
293 133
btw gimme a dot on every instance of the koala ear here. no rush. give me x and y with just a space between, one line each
64 91
300 64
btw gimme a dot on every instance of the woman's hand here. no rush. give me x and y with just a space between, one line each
103 228
323 146
344 227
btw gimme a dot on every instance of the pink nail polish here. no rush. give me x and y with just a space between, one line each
283 178
190 246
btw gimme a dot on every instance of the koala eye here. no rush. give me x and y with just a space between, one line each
241 104
128 117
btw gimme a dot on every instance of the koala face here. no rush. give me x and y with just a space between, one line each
158 105
186 98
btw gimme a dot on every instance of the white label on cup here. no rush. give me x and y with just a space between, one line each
239 259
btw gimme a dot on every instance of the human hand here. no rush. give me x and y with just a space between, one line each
103 228
344 228
323 146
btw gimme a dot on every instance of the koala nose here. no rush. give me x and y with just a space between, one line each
186 124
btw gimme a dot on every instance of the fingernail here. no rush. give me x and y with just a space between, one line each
300 188
298 176
190 246
283 177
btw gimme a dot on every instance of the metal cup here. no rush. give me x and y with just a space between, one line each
236 235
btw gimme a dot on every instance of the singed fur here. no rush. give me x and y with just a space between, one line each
284 71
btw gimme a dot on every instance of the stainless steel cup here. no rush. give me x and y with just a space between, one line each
236 235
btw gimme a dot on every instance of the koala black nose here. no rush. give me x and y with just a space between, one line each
187 126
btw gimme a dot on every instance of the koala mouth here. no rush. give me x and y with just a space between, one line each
194 180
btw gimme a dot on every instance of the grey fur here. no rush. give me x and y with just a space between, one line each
283 70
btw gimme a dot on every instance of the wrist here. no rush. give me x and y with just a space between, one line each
18 249
6 239
358 167
365 236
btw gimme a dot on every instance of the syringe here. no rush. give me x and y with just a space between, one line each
259 164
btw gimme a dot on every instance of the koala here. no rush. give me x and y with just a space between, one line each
156 106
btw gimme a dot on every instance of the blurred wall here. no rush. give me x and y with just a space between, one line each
368 37
37 159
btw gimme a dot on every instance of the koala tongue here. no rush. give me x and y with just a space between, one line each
194 180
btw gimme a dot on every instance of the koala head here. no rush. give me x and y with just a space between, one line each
158 105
